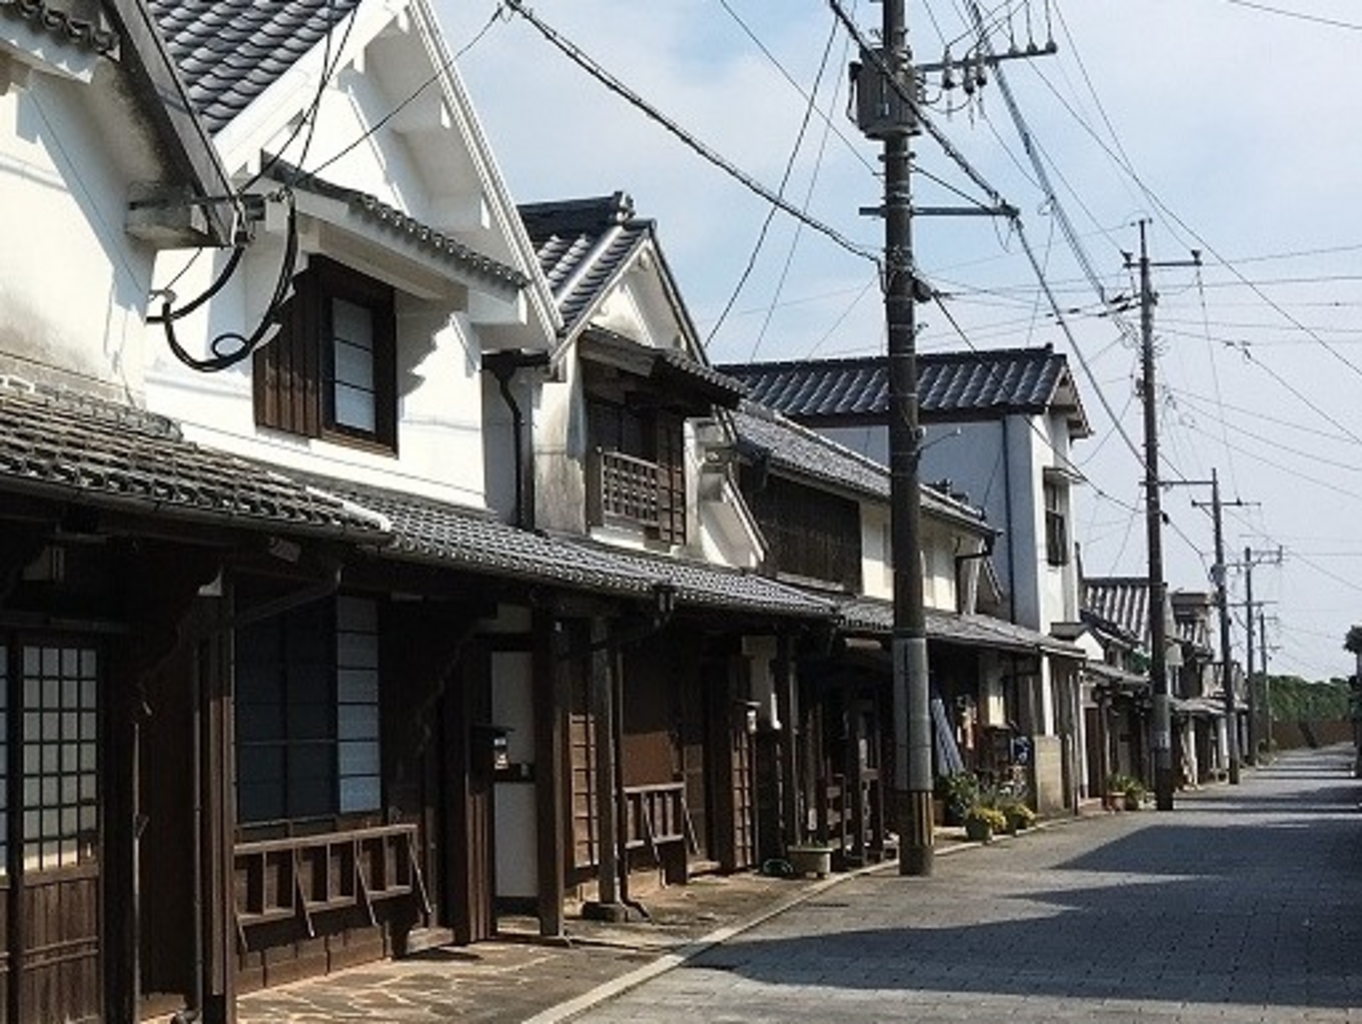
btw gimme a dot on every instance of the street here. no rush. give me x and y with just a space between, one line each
1243 904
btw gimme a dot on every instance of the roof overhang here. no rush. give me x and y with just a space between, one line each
674 372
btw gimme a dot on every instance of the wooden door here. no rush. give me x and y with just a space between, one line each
49 708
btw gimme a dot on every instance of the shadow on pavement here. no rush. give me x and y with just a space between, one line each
1262 911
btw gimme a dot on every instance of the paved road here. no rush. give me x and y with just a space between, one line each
1244 904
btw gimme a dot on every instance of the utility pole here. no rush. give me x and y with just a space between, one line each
1267 686
1158 639
887 90
1252 558
1219 574
886 109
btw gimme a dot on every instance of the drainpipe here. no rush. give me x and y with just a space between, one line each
503 366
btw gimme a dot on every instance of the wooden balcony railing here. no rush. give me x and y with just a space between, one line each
299 876
623 487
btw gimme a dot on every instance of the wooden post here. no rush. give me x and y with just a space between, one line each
607 906
787 707
549 709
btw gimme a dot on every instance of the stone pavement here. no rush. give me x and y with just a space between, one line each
1242 905
517 977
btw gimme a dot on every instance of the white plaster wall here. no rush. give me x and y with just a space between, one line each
73 283
440 396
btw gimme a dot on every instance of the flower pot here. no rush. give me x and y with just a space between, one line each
978 831
1130 801
810 860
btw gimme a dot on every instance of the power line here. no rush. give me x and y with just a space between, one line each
587 64
809 108
1299 15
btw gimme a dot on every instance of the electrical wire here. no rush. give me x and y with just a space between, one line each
224 358
809 108
592 68
1301 15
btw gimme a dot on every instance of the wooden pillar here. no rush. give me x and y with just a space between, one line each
550 704
787 707
603 713
118 858
218 834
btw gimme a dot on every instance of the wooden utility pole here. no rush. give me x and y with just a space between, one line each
1158 638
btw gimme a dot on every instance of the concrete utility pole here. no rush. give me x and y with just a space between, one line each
887 91
1158 639
913 729
1219 573
1252 558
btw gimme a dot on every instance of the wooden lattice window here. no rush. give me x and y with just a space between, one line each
59 704
307 713
639 468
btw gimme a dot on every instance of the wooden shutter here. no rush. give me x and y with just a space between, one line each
287 371
671 479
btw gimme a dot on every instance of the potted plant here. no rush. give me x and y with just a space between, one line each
958 791
981 822
1018 816
1117 786
1133 794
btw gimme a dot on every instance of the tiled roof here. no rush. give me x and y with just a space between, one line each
231 51
871 615
700 584
582 244
808 453
951 386
71 447
409 229
1123 601
424 529
61 24
666 365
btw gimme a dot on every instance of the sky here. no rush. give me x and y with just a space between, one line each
1229 126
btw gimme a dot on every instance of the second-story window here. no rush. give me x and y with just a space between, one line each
1056 524
638 473
331 370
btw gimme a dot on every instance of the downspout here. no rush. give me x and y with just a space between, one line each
503 366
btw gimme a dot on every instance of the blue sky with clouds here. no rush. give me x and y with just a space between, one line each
1230 124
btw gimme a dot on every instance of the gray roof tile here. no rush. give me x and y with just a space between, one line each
951 386
409 229
54 19
807 453
231 51
433 531
703 585
67 446
582 244
875 616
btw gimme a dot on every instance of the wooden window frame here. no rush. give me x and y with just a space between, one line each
294 376
289 741
1056 525
652 438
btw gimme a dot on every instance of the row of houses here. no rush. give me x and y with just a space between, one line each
378 556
